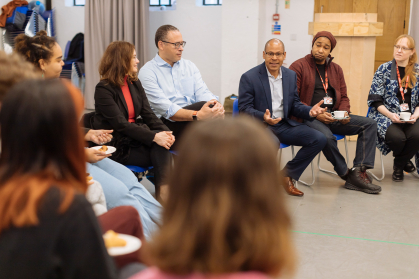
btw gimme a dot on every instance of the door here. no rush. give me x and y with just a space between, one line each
395 15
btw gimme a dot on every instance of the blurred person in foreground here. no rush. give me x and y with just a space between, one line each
47 227
122 219
225 218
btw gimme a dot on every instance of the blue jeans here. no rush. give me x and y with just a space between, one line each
121 187
365 128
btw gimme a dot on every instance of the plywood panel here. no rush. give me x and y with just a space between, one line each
364 29
365 6
333 6
393 14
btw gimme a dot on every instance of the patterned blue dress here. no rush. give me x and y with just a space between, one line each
384 88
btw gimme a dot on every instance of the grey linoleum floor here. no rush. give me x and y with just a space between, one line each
342 234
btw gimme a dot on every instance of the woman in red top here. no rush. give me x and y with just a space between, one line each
140 137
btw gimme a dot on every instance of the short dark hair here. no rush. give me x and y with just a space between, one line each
267 43
161 33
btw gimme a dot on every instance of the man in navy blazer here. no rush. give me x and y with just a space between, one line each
269 93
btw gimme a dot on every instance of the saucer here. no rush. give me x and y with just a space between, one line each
346 117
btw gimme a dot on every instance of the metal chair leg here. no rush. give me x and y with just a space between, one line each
347 159
312 171
382 170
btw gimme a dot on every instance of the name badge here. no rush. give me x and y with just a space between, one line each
404 107
328 100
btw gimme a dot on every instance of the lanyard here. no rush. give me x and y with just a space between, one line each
325 85
400 82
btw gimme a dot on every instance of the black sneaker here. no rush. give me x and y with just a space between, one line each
345 176
409 167
358 180
398 175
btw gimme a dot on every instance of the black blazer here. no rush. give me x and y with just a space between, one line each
111 112
255 95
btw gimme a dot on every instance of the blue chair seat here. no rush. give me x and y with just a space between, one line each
137 168
236 107
339 137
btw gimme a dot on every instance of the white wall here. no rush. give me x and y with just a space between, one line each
69 21
240 31
247 26
201 29
293 21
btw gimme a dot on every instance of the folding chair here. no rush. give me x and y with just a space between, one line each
381 158
338 137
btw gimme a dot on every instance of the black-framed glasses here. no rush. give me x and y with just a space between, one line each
272 54
177 45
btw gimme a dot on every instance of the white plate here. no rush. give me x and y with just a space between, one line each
407 120
346 117
133 244
110 150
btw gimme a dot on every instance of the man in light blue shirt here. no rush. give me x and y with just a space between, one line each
174 86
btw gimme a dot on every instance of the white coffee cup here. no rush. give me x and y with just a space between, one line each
405 116
339 114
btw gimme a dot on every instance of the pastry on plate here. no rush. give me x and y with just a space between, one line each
104 148
112 239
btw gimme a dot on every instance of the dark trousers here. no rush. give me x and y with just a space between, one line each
156 156
312 143
364 127
403 140
178 127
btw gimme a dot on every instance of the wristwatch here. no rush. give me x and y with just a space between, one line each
194 116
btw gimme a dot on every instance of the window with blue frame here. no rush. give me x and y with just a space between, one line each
212 2
79 2
157 3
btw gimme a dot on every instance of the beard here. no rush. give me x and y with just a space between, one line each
318 60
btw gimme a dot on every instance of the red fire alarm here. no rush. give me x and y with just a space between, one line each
276 17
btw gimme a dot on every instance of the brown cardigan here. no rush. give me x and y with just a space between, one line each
306 80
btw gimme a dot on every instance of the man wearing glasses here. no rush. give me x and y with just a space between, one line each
268 92
174 86
321 79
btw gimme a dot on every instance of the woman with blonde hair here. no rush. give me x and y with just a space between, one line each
394 102
225 216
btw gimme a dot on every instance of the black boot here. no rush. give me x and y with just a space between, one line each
409 167
358 180
398 174
345 176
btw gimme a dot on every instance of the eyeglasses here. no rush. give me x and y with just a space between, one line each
177 45
402 48
271 54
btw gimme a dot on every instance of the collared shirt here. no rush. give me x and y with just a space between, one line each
277 95
169 89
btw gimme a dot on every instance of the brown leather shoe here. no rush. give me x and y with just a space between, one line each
290 188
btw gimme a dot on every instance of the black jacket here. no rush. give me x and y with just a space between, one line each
111 112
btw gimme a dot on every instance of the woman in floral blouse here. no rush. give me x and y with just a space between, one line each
395 91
